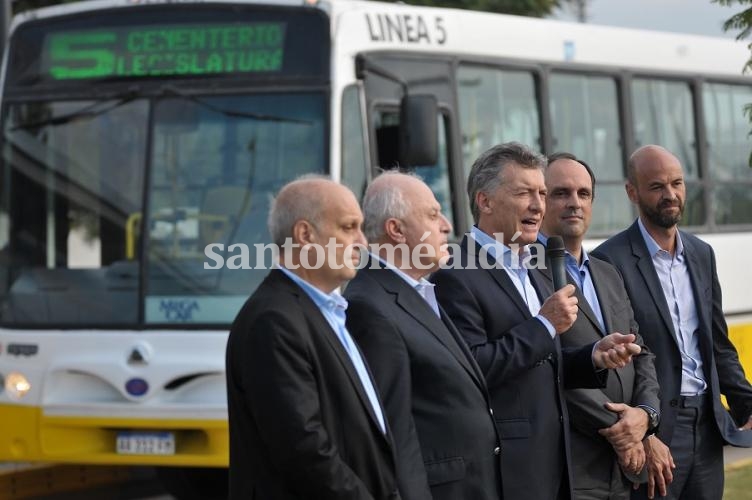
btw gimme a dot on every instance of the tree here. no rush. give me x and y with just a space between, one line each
535 8
741 21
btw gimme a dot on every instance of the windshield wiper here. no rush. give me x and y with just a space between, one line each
84 113
171 90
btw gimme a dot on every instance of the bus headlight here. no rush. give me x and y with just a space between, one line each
16 385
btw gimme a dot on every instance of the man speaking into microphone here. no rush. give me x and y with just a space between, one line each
511 319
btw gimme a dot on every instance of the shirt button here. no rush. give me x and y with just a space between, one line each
561 418
490 410
497 451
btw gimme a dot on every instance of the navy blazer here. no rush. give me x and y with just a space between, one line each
301 424
525 371
628 252
433 391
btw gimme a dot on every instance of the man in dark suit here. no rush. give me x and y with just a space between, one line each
607 425
305 419
433 391
672 283
497 305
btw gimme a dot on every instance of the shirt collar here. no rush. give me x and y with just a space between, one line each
653 247
329 301
495 247
399 272
585 259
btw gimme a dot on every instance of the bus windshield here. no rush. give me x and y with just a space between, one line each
141 147
107 207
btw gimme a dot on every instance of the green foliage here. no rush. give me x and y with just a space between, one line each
741 21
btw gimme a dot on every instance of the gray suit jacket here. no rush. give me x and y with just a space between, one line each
433 391
723 373
593 458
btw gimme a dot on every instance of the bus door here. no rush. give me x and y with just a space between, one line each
387 78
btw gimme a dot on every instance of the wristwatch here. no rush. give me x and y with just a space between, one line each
653 419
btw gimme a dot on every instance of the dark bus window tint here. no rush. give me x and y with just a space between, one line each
663 114
585 122
729 146
73 191
496 106
353 142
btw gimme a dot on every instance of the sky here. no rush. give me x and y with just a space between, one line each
701 17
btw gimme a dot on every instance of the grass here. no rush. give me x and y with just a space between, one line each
738 483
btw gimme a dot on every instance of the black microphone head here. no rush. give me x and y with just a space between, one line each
555 247
555 254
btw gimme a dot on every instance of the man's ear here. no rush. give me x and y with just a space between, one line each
483 202
303 232
631 191
394 230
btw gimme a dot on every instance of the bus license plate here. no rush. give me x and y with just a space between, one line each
145 443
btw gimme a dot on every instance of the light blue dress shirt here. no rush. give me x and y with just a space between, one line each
424 287
677 288
580 273
333 307
513 265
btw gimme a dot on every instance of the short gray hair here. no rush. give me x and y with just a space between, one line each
485 174
382 202
297 200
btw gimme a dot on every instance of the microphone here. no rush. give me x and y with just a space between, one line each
555 255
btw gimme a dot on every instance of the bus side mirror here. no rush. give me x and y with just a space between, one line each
418 141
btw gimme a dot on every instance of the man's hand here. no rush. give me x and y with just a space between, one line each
629 430
632 459
660 464
561 309
615 350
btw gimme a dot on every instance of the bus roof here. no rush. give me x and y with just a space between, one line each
365 26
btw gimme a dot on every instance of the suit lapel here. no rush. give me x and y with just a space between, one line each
649 275
410 301
320 324
582 303
496 271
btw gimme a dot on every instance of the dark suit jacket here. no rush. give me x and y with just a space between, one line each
723 373
434 393
301 425
523 366
593 458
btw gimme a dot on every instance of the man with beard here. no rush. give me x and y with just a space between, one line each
672 283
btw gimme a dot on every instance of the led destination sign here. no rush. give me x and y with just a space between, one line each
165 50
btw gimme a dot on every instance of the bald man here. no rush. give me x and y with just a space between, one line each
433 390
305 419
671 280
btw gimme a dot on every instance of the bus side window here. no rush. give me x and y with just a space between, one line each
437 177
729 145
664 114
496 105
585 122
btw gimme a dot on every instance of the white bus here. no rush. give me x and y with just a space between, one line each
137 132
